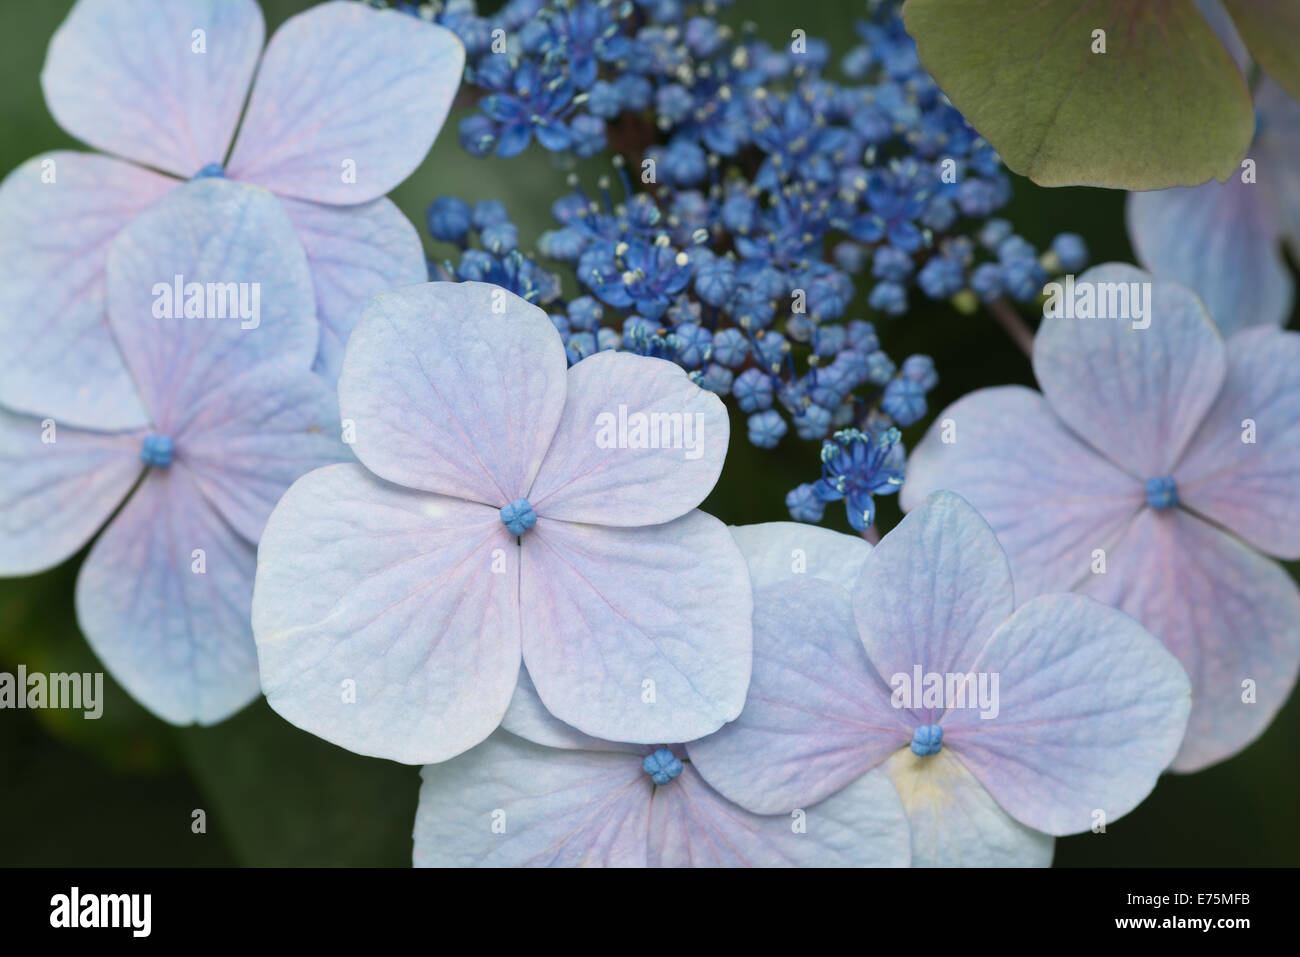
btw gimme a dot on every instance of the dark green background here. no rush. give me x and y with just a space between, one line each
121 790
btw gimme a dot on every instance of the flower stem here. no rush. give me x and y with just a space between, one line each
1013 325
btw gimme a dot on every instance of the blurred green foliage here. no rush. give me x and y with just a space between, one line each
122 790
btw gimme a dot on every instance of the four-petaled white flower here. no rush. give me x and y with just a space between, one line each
347 102
503 510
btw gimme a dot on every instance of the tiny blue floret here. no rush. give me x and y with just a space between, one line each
157 450
211 171
1162 492
927 739
518 517
662 766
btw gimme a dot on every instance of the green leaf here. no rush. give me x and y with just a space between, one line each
1271 31
1163 106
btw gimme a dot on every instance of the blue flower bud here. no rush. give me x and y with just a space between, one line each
891 264
500 238
449 219
920 369
766 429
715 280
927 739
693 344
518 517
663 766
730 347
803 505
941 278
717 378
904 401
986 281
812 422
753 391
489 211
1070 251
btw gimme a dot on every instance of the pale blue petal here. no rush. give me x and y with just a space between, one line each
137 78
252 436
218 232
862 825
1089 709
56 348
1051 499
387 620
780 551
528 718
600 468
932 593
511 803
54 495
454 388
1250 487
163 599
347 103
818 715
1222 240
355 253
1230 615
955 822
1134 394
1277 154
637 634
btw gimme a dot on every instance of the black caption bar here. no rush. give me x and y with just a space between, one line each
134 907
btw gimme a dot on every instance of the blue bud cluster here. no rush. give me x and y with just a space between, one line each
753 199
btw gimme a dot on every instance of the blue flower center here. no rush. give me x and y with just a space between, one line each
927 739
156 451
1162 492
211 171
518 516
662 766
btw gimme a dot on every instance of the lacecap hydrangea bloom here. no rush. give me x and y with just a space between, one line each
1152 471
545 795
1224 239
756 191
346 104
506 506
232 415
998 725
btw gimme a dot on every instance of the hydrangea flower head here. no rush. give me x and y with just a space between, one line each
347 102
766 185
1152 471
233 414
549 796
998 725
506 506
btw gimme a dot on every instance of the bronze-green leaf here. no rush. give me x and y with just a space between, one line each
1163 106
1271 31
